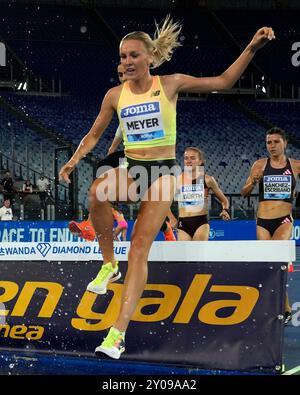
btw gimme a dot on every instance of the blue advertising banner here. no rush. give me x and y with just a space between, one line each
232 230
215 315
57 231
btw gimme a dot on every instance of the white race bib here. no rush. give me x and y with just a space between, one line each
277 187
142 122
191 196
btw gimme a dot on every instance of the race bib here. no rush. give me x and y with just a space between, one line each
143 122
191 196
277 187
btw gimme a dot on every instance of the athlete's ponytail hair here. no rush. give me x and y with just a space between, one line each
164 42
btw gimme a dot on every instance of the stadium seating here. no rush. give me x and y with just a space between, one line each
67 42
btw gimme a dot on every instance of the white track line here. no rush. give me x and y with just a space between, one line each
292 371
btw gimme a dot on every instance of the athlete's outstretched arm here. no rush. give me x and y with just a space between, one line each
91 138
229 77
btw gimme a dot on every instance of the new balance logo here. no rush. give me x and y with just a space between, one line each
155 93
43 248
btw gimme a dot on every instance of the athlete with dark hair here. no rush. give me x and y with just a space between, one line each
276 177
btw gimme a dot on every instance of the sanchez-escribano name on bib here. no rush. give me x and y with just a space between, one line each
277 187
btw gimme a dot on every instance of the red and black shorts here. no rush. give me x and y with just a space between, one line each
271 225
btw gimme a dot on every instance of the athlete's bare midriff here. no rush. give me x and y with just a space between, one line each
271 209
155 153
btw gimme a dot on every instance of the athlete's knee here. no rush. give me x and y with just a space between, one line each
102 191
139 246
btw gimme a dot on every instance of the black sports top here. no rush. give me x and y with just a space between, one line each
277 184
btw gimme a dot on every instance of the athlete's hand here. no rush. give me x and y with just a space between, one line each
65 171
225 215
261 38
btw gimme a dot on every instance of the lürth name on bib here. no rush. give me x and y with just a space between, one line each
192 195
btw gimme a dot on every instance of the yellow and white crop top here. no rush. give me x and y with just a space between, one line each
147 119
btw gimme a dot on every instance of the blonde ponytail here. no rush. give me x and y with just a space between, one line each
164 42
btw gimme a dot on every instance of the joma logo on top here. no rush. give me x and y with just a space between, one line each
277 178
146 108
2 55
